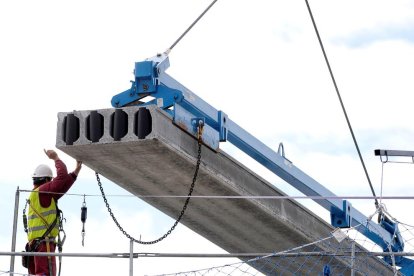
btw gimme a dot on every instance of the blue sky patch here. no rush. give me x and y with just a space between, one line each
369 36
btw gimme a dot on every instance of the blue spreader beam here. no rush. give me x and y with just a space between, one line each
186 109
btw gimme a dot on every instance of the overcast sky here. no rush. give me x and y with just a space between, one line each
258 61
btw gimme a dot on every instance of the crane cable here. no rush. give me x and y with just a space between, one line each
189 28
342 104
330 72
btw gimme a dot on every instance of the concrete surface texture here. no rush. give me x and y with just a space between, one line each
163 163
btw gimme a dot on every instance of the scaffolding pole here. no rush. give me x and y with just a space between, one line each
131 257
205 255
13 245
353 259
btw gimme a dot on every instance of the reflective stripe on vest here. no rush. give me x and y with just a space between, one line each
36 225
44 214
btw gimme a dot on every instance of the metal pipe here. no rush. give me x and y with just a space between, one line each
13 246
202 255
405 197
399 153
131 257
353 259
393 261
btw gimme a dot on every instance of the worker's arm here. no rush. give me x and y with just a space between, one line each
62 172
78 168
63 180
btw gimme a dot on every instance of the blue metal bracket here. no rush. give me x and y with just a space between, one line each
326 270
222 121
186 109
341 217
407 266
146 83
392 227
188 122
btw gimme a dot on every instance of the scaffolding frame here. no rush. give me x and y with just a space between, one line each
131 255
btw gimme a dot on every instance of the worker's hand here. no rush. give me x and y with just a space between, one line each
51 154
78 167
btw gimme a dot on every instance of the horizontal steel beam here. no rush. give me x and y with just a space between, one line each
398 153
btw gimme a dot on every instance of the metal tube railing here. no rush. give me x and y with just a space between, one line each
131 257
13 245
203 255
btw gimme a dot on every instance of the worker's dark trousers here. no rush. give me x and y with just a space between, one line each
39 265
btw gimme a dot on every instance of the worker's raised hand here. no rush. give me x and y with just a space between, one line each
51 154
78 167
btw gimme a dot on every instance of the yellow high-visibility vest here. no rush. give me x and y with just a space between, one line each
38 225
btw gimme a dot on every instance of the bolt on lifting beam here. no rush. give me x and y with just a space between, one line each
186 108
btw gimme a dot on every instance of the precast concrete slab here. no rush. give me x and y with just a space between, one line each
141 150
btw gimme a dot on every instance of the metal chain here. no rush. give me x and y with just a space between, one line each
199 134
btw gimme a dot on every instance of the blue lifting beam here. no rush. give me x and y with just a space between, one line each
187 109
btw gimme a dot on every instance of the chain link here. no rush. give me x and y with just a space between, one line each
199 139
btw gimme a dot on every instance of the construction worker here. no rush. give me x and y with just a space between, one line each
43 216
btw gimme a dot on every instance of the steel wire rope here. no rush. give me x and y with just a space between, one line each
189 28
340 100
199 140
382 181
